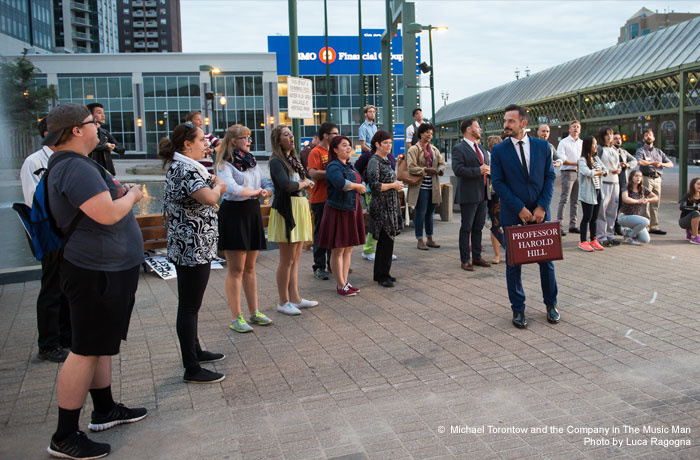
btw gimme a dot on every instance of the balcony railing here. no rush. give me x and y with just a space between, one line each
79 6
81 22
81 36
151 24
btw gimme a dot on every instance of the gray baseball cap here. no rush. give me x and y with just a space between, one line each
62 117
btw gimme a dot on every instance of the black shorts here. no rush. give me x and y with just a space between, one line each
100 307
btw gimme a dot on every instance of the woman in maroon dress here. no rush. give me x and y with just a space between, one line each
342 225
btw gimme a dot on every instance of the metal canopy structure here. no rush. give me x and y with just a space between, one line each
656 75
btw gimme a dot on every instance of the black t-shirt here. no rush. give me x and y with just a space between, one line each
92 246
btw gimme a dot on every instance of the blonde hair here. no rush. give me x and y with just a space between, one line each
232 133
493 140
277 151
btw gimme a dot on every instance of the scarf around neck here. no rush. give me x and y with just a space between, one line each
298 167
242 160
201 169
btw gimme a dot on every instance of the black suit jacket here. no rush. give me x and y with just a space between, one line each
466 166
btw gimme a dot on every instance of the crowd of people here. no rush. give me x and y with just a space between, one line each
320 196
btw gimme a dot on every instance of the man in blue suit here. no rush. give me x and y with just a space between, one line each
523 176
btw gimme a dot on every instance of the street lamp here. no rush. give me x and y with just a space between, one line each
212 71
445 96
222 101
415 28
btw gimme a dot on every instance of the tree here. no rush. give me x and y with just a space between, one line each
24 102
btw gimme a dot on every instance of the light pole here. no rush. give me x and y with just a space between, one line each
415 28
212 71
445 96
222 101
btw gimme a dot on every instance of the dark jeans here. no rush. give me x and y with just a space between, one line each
382 257
590 215
322 257
52 312
191 284
425 209
473 220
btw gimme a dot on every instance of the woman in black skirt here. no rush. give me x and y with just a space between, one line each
241 231
342 225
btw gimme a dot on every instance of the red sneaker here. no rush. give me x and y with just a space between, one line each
585 246
353 288
345 291
596 245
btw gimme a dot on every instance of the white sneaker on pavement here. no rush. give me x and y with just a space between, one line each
288 309
369 257
393 257
304 304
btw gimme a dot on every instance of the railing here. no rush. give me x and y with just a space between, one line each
79 6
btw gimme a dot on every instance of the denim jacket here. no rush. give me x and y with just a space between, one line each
339 178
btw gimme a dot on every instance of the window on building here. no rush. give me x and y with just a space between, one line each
164 21
634 30
645 31
126 10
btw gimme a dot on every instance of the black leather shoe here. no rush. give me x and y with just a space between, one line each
552 314
386 283
393 280
519 320
563 232
657 231
574 230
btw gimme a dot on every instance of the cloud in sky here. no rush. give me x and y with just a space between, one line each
485 42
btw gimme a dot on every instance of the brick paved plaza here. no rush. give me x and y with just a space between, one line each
397 373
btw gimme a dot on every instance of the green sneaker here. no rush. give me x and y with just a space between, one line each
260 318
239 324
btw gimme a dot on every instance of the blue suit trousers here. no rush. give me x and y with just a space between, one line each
516 294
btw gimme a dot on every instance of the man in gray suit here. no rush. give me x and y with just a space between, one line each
471 166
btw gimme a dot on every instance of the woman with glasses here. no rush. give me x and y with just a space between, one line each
290 218
189 197
425 160
241 230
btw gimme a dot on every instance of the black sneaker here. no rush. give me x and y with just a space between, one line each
203 376
78 446
320 274
657 231
55 355
118 415
210 357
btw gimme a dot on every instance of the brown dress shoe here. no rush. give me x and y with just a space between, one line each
432 244
422 246
481 263
468 267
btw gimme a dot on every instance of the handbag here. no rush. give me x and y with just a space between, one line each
404 176
527 244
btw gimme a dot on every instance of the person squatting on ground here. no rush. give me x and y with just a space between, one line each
634 199
425 160
343 225
99 272
690 214
317 161
523 176
241 230
290 218
590 194
52 313
385 210
607 212
189 196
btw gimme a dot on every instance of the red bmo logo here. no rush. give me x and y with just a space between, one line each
329 56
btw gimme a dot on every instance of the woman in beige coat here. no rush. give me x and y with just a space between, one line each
424 160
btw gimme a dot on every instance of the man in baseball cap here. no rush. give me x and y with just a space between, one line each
62 117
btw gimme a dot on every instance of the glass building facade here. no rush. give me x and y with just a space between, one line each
242 103
29 22
115 93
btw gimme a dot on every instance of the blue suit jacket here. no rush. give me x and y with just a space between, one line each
514 188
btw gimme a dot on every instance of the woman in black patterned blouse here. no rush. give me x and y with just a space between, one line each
188 198
384 210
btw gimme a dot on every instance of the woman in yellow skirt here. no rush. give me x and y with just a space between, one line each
290 218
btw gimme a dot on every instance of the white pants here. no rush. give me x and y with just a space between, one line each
607 213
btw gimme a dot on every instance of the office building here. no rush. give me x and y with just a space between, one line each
645 21
25 25
149 26
86 26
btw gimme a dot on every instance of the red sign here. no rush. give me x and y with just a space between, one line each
527 244
331 55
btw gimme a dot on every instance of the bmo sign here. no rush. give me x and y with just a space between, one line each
343 54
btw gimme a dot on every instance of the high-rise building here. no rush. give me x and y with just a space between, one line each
645 21
25 24
149 26
86 26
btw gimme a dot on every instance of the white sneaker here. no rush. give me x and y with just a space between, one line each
288 309
632 241
393 257
368 256
304 304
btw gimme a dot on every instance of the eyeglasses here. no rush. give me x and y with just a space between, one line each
248 138
93 121
334 134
